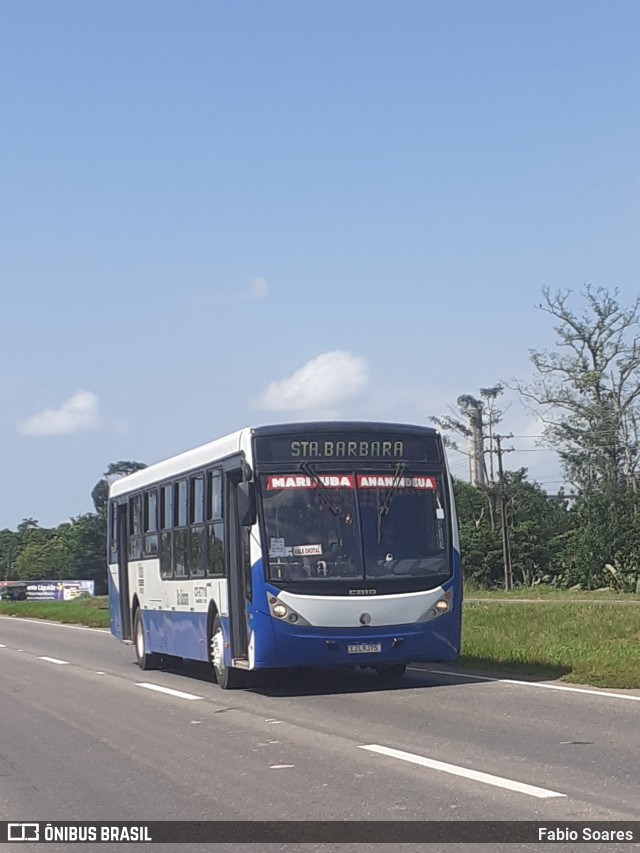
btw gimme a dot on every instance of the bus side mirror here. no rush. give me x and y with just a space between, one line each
247 513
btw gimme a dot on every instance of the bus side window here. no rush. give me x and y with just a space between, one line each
180 534
135 527
196 499
197 544
214 495
151 523
197 551
215 527
215 563
113 532
166 527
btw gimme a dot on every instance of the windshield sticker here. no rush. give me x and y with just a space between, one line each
277 548
298 481
307 550
387 481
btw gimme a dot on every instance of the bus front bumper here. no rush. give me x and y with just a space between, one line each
287 645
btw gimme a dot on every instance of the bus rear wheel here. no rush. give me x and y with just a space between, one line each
391 671
146 660
227 677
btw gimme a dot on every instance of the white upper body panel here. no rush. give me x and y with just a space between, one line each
207 454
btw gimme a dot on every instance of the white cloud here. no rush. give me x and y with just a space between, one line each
77 414
258 288
320 386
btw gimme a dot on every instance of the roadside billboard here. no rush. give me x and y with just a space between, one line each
58 590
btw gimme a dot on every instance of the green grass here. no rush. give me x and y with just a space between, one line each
558 637
580 643
546 593
93 612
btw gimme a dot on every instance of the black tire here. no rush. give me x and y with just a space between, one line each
146 660
226 677
391 671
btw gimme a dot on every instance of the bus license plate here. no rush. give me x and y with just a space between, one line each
364 648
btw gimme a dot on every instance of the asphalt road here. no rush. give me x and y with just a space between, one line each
85 735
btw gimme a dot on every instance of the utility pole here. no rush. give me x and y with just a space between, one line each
504 529
491 395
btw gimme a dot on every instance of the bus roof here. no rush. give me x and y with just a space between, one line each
226 446
340 426
175 465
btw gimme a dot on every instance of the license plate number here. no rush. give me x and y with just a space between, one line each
364 648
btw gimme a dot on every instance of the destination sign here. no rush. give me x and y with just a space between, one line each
332 447
346 481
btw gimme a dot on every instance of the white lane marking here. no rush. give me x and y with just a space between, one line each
99 672
167 690
454 769
2 646
573 689
16 620
107 633
52 660
532 684
455 674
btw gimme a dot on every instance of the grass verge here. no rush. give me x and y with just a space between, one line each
580 643
93 612
577 642
548 593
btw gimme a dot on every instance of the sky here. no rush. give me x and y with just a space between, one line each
215 215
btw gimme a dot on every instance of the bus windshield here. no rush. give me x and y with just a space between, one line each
355 525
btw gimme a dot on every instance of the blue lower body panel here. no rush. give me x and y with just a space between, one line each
181 634
280 644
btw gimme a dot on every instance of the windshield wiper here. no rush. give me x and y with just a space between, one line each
383 508
323 490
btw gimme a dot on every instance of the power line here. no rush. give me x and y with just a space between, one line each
559 450
534 450
613 432
457 450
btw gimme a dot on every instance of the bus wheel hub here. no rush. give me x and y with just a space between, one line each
217 651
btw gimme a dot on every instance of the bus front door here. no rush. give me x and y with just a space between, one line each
238 571
123 570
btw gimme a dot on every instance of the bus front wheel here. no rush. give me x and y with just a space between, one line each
227 678
146 660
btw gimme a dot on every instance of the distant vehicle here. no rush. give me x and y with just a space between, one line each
300 545
13 591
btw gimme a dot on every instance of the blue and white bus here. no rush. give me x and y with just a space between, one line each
296 545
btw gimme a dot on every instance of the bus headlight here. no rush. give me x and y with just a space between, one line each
285 612
438 608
